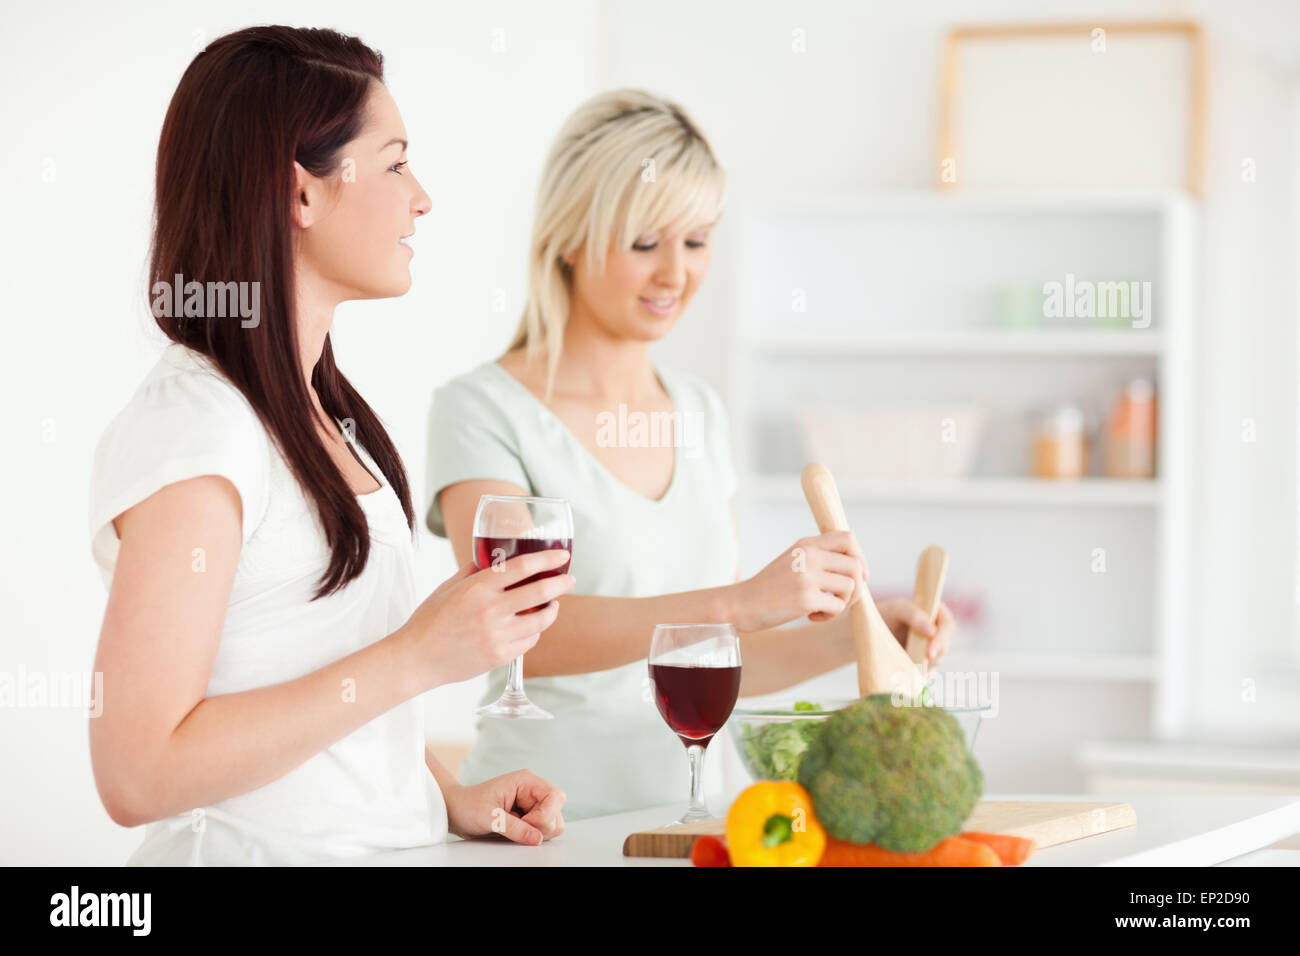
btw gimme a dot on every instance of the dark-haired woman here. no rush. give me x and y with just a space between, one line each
262 649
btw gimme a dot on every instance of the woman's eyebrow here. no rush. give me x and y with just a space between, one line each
391 142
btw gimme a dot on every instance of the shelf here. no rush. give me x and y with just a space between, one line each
995 201
1105 492
1072 667
990 342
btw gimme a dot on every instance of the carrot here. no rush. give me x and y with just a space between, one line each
710 850
1011 850
951 851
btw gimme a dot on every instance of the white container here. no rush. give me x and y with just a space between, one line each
919 442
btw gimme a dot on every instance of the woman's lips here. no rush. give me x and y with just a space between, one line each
405 243
664 306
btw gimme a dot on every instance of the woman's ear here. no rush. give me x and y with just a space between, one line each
307 197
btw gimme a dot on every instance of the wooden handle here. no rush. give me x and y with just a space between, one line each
930 571
883 665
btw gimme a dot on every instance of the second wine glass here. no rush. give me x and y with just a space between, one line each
695 672
505 526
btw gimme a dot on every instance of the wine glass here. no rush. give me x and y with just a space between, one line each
504 526
695 671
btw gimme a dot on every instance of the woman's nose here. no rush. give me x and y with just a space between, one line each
421 204
672 269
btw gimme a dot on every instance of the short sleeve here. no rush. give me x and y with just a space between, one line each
177 427
470 437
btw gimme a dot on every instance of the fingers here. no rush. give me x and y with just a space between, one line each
946 624
837 553
538 592
523 566
840 542
543 802
523 631
537 799
840 585
833 561
826 602
516 830
463 572
916 619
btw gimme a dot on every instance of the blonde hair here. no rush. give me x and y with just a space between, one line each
625 163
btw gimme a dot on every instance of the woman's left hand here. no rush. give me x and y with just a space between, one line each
901 614
520 806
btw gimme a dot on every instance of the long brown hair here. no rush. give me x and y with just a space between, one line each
247 107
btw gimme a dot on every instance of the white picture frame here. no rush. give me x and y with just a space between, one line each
1105 105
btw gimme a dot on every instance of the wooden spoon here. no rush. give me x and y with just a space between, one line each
883 665
930 571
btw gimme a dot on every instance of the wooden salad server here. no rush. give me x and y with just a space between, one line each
883 665
930 571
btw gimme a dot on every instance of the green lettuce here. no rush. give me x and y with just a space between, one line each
774 750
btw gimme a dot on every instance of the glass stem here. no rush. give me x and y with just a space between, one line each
515 678
695 753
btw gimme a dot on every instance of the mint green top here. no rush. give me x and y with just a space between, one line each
607 748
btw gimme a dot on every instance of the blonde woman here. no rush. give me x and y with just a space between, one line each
629 197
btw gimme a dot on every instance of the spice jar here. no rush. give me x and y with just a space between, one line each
1060 446
1129 447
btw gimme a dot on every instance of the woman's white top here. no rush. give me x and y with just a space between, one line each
371 790
608 747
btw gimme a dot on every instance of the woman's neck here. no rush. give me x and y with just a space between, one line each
596 365
314 310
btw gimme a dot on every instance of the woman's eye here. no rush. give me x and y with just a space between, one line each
644 246
694 243
398 167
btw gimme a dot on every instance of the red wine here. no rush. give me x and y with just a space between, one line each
695 701
490 551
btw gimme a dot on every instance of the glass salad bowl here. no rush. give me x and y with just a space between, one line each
771 740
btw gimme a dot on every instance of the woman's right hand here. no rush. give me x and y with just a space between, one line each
472 623
818 577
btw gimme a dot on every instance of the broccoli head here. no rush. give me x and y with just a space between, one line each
900 777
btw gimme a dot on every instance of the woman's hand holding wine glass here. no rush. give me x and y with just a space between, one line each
473 622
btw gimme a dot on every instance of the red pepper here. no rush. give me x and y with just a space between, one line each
710 851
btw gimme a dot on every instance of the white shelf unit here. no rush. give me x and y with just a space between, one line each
986 342
899 296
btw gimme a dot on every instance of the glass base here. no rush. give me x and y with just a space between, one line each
693 816
516 707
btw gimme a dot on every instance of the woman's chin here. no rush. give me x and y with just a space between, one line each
645 326
396 285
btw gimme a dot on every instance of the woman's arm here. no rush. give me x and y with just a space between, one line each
162 747
597 633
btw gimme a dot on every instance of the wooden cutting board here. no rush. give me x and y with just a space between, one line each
1046 823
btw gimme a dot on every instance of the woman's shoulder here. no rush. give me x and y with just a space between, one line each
487 395
184 420
186 392
482 379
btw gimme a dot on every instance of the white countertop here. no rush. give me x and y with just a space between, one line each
1171 831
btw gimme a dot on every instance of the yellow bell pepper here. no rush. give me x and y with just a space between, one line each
772 824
